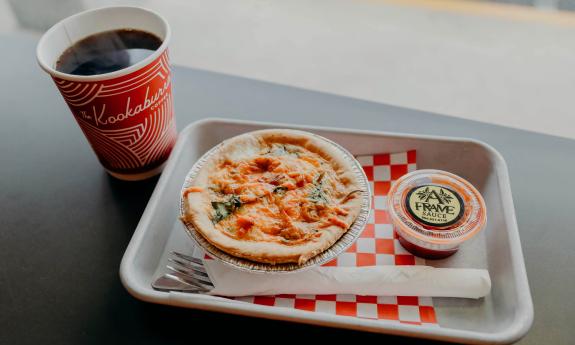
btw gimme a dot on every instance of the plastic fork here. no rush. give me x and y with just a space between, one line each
186 274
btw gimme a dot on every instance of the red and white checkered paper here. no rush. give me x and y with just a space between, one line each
377 245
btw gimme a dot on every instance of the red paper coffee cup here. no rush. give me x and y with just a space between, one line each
126 115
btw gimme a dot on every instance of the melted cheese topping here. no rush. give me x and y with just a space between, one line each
284 193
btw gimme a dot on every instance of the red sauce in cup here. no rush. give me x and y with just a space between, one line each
434 211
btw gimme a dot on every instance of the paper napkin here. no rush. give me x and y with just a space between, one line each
368 280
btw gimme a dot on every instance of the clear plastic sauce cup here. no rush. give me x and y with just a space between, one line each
434 211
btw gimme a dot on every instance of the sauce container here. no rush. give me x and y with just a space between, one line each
434 211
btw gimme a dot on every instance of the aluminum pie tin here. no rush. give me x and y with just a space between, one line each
344 242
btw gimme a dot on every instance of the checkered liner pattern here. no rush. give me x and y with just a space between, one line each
377 245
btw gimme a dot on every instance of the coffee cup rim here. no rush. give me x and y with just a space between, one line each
47 66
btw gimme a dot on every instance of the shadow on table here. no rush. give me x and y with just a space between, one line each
130 198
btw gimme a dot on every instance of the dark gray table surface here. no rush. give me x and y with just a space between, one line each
65 223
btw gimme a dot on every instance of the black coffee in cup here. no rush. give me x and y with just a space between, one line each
107 52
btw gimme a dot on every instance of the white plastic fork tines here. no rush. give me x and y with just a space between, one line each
185 274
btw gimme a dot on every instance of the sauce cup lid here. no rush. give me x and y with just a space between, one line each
436 209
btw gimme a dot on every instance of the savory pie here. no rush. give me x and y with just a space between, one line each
274 196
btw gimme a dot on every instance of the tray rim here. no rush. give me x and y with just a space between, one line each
518 327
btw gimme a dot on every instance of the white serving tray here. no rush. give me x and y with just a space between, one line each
502 317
